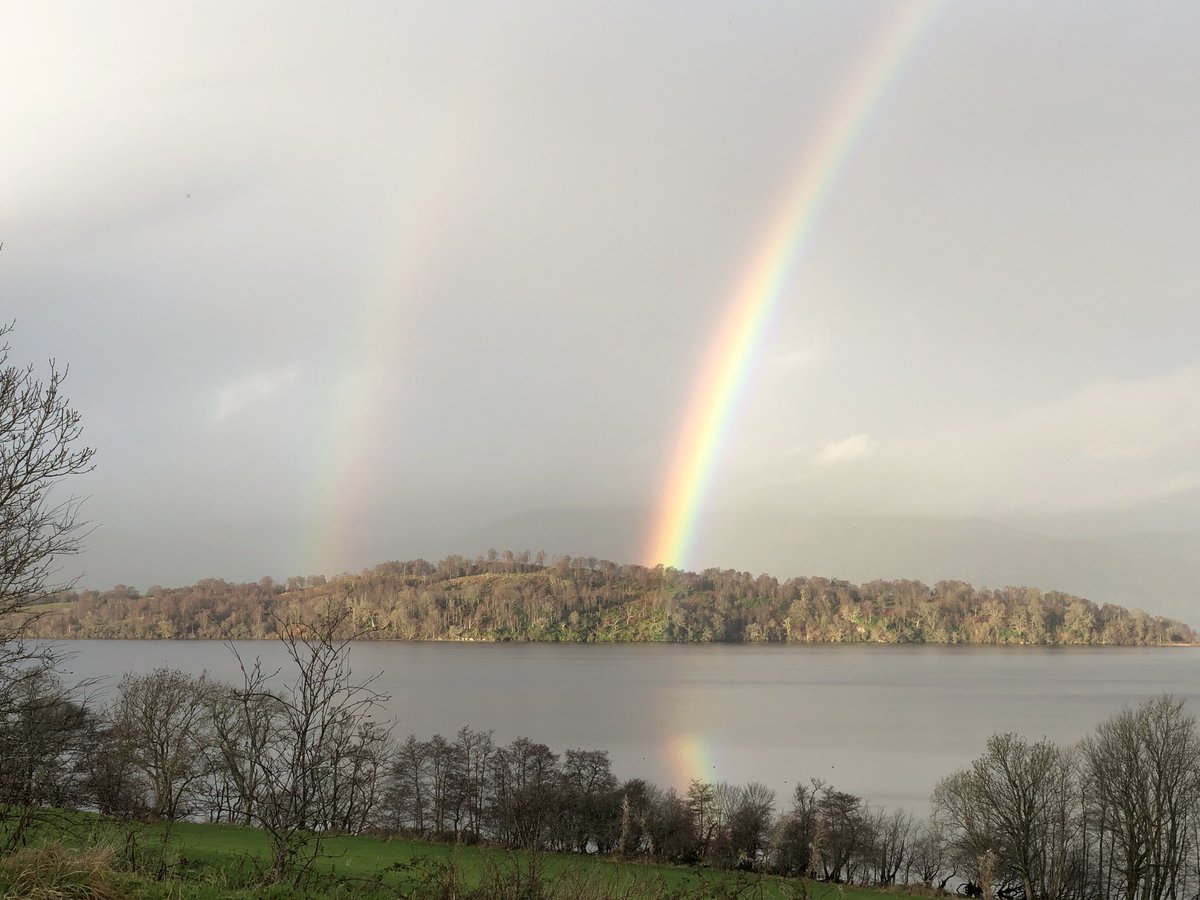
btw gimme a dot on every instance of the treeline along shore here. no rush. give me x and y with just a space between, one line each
522 597
298 754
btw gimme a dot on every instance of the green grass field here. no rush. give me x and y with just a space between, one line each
218 861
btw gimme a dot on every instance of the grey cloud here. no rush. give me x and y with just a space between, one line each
496 241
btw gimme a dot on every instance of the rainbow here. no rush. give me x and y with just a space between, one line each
726 369
691 758
433 190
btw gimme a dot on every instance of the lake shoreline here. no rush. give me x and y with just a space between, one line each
184 639
724 712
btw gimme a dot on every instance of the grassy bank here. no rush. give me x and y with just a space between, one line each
87 857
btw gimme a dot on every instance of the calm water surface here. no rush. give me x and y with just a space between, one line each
884 722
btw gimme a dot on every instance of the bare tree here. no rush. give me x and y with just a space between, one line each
670 827
322 717
354 777
929 855
591 807
39 524
638 798
161 724
477 752
795 845
841 831
750 824
39 434
243 730
44 742
1017 801
888 843
1143 783
405 803
527 794
702 802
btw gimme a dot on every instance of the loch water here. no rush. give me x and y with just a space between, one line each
885 722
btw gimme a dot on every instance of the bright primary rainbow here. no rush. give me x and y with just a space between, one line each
723 376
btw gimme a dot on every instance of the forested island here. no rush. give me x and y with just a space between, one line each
525 597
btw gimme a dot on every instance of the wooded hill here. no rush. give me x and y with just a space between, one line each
507 597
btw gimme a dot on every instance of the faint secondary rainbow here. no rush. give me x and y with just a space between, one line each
727 366
411 258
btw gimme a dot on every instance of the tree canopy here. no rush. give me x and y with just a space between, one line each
519 597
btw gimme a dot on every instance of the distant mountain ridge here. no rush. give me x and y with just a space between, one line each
522 597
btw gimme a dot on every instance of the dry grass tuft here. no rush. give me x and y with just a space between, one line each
55 872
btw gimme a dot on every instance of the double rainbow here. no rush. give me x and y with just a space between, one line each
727 367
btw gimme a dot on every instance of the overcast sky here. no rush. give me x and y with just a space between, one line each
333 277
